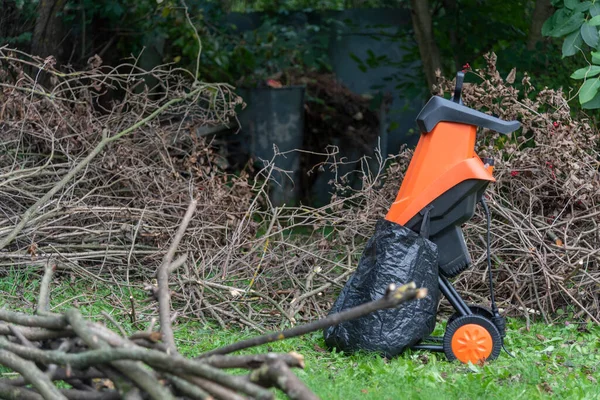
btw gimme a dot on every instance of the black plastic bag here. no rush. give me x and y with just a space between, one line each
395 254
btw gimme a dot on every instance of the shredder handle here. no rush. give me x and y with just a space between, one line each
439 110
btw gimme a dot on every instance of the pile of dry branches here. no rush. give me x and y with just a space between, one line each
545 203
96 167
96 171
53 350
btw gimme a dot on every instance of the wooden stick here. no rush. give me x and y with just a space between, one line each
188 389
59 375
393 297
132 316
17 333
177 263
253 361
58 322
277 373
73 394
52 368
35 334
8 391
158 360
32 374
131 369
44 295
216 390
164 297
114 322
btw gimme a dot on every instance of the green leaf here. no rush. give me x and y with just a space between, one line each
589 34
582 7
592 104
596 57
549 25
562 14
586 72
473 368
571 4
588 90
595 21
572 44
548 349
595 9
568 25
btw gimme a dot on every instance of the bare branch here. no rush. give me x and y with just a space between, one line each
44 296
164 297
131 369
58 322
32 374
277 373
393 297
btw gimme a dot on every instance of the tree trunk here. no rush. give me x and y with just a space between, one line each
543 10
430 54
48 32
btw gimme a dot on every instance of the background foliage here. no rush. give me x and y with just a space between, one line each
578 23
464 31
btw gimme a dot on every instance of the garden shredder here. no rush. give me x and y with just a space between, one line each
421 240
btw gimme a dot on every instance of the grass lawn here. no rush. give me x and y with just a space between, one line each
560 362
551 361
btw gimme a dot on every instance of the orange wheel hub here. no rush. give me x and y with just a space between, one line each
472 342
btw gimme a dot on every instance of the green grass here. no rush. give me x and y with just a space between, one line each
551 361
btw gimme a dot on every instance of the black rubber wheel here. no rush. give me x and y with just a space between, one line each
475 309
472 338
